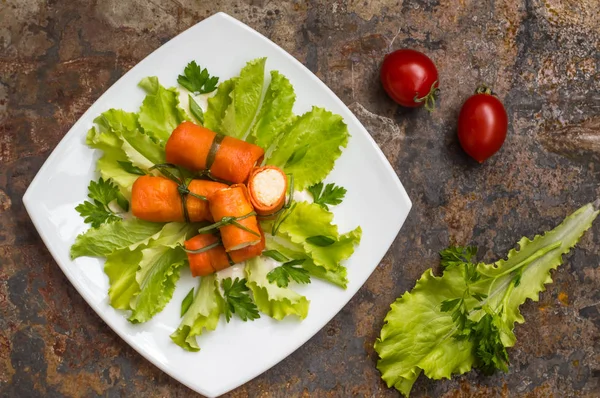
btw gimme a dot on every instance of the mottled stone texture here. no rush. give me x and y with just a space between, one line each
541 57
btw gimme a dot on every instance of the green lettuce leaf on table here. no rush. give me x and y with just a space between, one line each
277 302
203 314
465 318
245 100
310 146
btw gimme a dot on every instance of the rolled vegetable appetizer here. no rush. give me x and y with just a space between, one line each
212 257
267 186
197 148
233 213
248 252
159 199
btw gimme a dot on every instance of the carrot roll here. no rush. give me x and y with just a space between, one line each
248 252
233 201
267 186
158 199
216 258
197 148
207 262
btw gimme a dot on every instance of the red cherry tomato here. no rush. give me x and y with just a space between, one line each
482 125
410 78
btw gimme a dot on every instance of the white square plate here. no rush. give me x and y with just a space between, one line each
376 201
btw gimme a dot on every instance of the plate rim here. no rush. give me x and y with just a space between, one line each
31 208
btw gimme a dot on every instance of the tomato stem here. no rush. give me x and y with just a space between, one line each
430 98
484 89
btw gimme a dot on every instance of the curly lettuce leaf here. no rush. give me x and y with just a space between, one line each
338 276
275 113
158 271
203 314
310 219
245 100
310 147
108 238
117 120
108 165
120 267
406 349
141 150
217 105
160 112
418 337
277 302
537 273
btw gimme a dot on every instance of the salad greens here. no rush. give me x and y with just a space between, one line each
245 100
465 318
197 80
275 113
203 314
330 195
237 300
289 270
277 302
98 212
313 142
160 112
144 259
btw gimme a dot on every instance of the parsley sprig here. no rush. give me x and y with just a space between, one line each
197 80
330 195
490 352
289 270
97 211
237 300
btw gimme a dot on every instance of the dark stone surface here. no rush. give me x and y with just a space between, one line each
542 58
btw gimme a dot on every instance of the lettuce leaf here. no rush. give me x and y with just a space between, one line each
275 113
310 219
160 112
419 337
203 314
158 271
108 238
120 267
217 105
338 276
245 100
310 147
117 120
140 149
275 301
108 164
